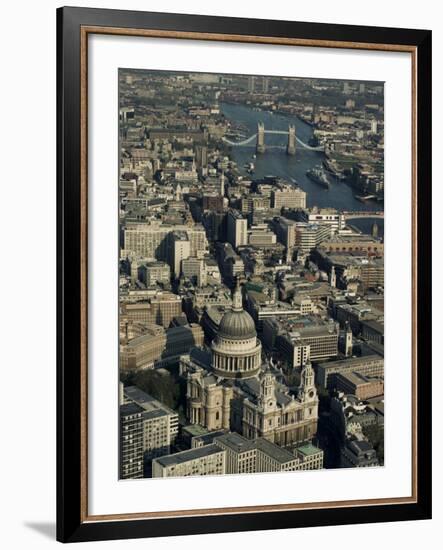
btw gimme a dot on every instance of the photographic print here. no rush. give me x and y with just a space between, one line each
232 335
251 274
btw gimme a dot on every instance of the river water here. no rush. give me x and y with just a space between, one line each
293 168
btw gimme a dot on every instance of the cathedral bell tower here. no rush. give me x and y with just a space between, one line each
306 389
267 396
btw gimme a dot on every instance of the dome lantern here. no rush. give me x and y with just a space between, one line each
237 301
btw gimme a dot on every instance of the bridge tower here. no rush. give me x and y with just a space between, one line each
260 148
290 149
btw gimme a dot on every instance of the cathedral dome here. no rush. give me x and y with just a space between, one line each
236 352
237 325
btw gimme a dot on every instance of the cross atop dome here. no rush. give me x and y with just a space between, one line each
237 300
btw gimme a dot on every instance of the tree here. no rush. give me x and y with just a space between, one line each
376 435
161 386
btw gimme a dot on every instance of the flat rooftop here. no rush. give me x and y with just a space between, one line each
195 430
277 453
156 413
309 449
208 438
236 442
146 401
186 456
129 409
352 362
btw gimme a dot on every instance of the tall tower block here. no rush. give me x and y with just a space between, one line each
260 138
290 149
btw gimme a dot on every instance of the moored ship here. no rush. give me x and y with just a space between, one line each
331 167
317 175
250 167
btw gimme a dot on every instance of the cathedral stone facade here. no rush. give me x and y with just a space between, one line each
229 387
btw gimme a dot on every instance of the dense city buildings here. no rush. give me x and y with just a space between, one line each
230 453
251 274
159 423
368 365
157 347
158 309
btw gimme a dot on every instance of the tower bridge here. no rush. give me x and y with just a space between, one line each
260 145
362 214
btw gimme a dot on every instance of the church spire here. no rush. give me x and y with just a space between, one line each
237 300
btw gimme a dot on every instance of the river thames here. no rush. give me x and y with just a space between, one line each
276 162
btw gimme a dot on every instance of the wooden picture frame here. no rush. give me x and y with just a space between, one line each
74 523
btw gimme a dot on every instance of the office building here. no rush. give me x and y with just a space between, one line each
246 456
353 243
310 456
373 331
201 158
253 202
322 216
202 461
159 422
251 84
237 229
156 434
249 456
159 309
179 249
195 270
151 240
241 453
300 339
363 387
151 273
213 202
260 235
310 235
272 458
286 231
288 196
159 347
131 441
144 350
358 454
231 264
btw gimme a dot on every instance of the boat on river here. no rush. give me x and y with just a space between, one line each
250 167
331 167
317 175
